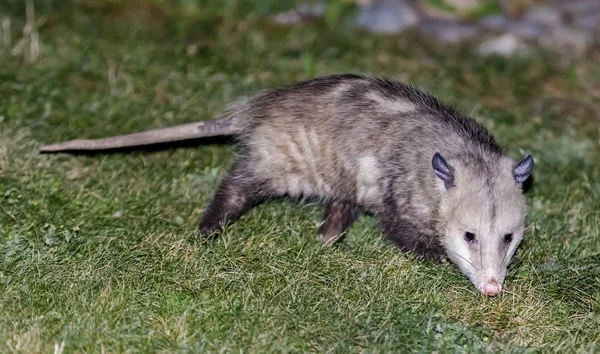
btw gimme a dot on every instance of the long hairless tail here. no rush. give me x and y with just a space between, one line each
216 127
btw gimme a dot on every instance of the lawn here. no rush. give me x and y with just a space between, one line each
97 252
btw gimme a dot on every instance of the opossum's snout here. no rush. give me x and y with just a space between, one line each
481 260
488 281
490 288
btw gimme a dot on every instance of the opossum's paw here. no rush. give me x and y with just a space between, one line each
330 239
331 231
336 221
209 230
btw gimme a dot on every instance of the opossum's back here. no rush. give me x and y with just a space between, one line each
311 143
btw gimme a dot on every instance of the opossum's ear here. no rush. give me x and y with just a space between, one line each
443 170
523 169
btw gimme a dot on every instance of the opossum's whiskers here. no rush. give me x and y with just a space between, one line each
480 251
468 261
469 273
506 258
480 256
503 260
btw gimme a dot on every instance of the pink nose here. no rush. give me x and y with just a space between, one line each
491 288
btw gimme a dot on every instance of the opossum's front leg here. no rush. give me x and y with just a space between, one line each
410 239
336 221
237 194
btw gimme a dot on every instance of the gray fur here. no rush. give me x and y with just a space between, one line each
369 145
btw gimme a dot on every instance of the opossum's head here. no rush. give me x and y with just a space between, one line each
482 214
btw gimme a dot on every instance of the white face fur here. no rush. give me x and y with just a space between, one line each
485 213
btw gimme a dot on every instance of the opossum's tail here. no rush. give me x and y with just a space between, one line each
216 127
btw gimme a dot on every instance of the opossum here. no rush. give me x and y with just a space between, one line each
437 182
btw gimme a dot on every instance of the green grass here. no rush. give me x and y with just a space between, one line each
97 253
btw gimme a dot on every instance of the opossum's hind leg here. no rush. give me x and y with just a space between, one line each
336 221
237 194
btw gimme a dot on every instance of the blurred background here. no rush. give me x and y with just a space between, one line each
438 44
504 27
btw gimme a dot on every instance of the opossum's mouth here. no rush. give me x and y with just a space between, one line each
488 283
490 288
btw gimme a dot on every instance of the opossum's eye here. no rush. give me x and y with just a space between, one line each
469 237
508 238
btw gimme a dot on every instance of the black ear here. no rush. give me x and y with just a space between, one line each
523 169
443 170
